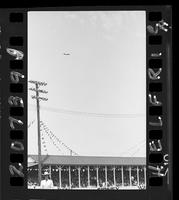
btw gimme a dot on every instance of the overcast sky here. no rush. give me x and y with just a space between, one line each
97 94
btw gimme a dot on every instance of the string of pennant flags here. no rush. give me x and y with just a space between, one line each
31 123
55 140
50 137
45 131
44 142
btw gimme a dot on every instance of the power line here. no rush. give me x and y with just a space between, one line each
89 114
136 151
134 147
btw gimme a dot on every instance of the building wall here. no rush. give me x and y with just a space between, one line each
73 177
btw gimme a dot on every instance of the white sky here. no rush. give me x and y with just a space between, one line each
105 73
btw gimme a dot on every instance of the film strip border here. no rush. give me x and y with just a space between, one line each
14 110
13 57
158 30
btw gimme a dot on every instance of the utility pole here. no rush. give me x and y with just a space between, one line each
38 98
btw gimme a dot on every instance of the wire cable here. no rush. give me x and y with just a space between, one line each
90 114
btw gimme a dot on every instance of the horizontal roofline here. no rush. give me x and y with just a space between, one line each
87 160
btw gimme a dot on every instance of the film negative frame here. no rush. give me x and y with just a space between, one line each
13 137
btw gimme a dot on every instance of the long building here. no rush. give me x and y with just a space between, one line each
80 172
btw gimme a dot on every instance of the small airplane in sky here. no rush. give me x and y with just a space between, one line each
66 54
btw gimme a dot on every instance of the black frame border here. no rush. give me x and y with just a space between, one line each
11 29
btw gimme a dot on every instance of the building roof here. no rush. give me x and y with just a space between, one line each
86 160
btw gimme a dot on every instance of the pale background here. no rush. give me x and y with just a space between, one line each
97 94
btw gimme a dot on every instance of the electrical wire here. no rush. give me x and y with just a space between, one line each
141 143
89 114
